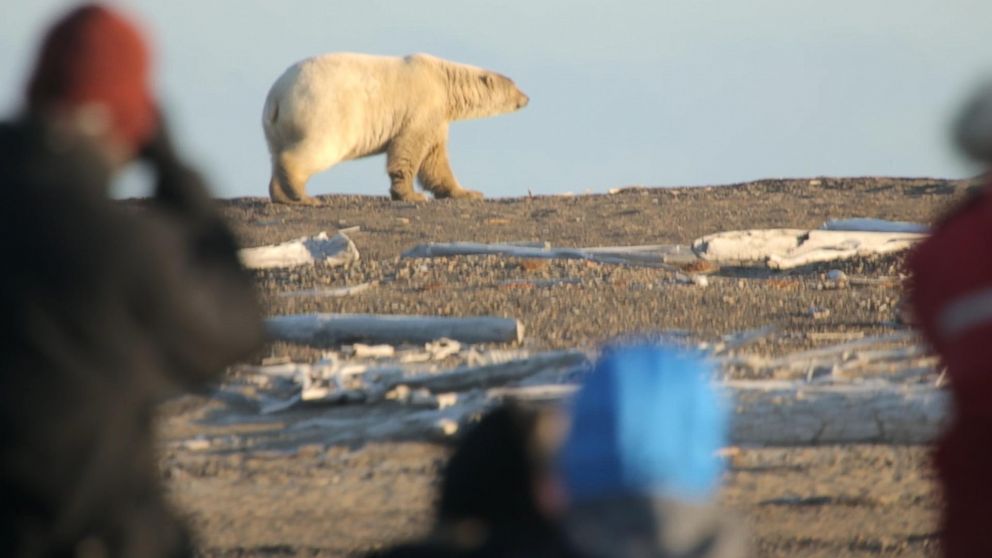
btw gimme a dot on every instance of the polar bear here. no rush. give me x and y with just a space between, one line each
342 106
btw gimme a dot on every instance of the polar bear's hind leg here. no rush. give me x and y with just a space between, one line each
288 184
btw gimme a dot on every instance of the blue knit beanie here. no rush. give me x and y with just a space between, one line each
646 422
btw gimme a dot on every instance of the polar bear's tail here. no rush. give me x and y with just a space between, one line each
271 112
270 119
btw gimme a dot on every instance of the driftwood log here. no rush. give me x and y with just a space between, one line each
327 330
769 413
790 248
473 377
764 413
792 413
333 251
331 292
902 406
657 256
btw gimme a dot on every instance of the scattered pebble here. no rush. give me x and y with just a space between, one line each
445 400
447 427
818 313
697 280
837 278
196 444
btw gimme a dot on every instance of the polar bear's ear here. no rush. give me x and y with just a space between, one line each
489 80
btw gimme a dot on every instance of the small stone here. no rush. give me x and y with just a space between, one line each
837 278
274 360
447 427
700 266
361 350
422 397
399 393
445 400
310 450
534 264
196 444
697 280
818 313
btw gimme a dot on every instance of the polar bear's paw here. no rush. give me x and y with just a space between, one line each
460 194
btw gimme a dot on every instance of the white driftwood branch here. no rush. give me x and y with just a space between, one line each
335 382
765 414
873 225
791 413
738 340
334 251
428 424
789 248
900 405
771 413
644 256
338 329
331 292
836 354
545 393
472 377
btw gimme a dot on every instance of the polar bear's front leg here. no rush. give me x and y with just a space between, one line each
436 175
403 158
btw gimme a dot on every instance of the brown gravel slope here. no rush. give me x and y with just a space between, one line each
826 501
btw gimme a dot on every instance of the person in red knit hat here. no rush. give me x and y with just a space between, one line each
950 293
94 70
107 309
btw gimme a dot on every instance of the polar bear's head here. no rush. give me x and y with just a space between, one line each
474 92
504 95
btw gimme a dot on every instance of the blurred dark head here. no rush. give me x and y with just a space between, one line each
495 474
94 67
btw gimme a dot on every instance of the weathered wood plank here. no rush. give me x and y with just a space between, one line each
327 330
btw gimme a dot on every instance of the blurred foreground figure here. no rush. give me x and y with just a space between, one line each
639 463
106 310
497 494
951 295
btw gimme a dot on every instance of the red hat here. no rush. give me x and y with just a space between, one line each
94 55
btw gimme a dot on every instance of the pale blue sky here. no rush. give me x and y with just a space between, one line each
622 92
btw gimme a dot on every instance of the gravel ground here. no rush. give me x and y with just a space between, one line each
818 502
320 501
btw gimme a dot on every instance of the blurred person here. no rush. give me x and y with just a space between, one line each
107 309
639 464
950 293
497 493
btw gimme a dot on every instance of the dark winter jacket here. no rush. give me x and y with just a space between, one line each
105 310
951 295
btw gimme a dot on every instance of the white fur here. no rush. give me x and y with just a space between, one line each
342 106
